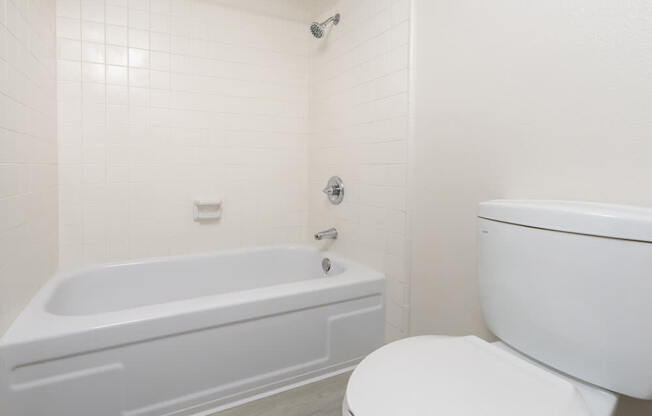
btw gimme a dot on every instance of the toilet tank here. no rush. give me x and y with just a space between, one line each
570 285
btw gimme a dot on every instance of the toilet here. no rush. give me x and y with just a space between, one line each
566 287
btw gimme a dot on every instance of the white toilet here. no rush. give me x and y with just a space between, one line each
567 287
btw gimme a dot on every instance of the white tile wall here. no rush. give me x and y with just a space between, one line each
28 152
164 101
359 119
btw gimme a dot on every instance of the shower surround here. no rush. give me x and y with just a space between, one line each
161 102
28 152
359 123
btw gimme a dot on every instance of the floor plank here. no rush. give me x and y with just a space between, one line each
323 398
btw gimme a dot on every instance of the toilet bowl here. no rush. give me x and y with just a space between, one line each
566 288
438 375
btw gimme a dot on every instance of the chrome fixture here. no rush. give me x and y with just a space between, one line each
326 265
334 190
317 29
330 234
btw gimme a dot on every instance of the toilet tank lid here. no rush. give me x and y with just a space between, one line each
591 218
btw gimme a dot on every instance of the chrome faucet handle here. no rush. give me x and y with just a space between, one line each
334 190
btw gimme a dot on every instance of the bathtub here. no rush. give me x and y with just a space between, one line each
188 335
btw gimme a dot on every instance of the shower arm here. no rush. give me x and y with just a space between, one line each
335 19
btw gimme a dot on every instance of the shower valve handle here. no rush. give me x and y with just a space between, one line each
334 190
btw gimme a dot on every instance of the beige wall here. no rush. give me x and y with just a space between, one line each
359 120
519 99
28 152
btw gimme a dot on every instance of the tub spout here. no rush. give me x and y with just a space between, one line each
330 234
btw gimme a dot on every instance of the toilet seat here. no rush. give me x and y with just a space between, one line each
465 376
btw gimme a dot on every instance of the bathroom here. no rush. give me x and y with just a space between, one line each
165 137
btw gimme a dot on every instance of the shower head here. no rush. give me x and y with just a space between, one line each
317 29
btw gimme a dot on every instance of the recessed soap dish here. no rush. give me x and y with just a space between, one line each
207 209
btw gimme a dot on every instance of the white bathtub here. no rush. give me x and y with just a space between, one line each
188 335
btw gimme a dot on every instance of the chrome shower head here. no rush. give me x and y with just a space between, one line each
317 29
